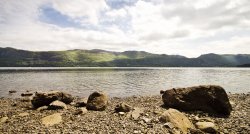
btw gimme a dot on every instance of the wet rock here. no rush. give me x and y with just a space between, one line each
42 108
178 119
57 105
208 98
82 102
97 101
52 119
3 119
208 127
81 111
123 107
44 99
12 91
136 113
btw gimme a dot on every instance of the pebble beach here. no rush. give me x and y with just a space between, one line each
18 116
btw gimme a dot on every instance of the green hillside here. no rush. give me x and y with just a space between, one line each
10 57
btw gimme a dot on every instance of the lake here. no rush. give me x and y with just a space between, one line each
119 82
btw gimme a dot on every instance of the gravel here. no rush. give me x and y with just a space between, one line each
102 122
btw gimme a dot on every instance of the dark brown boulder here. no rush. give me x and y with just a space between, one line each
97 101
44 99
207 98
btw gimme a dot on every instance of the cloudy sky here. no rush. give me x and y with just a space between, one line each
186 27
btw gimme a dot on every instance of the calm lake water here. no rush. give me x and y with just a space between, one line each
119 82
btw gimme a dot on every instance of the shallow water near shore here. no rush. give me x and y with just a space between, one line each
119 82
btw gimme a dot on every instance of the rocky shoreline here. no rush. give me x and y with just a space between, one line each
18 116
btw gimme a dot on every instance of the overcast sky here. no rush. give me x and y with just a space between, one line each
185 27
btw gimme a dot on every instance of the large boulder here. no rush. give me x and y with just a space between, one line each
207 98
44 99
177 119
97 101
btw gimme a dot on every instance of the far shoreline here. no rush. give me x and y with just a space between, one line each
9 69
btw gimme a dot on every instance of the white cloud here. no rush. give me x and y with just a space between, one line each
81 8
117 13
187 27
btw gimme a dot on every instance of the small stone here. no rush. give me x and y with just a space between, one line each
208 127
12 91
136 113
57 105
206 119
81 111
141 122
195 131
42 108
232 102
178 119
168 125
23 114
14 104
26 99
3 119
157 112
52 119
196 118
146 120
225 131
82 102
123 107
26 94
136 132
121 113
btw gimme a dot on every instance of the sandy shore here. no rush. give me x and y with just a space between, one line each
23 119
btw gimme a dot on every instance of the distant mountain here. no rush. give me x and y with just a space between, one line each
10 57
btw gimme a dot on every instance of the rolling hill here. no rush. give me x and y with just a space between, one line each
10 57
